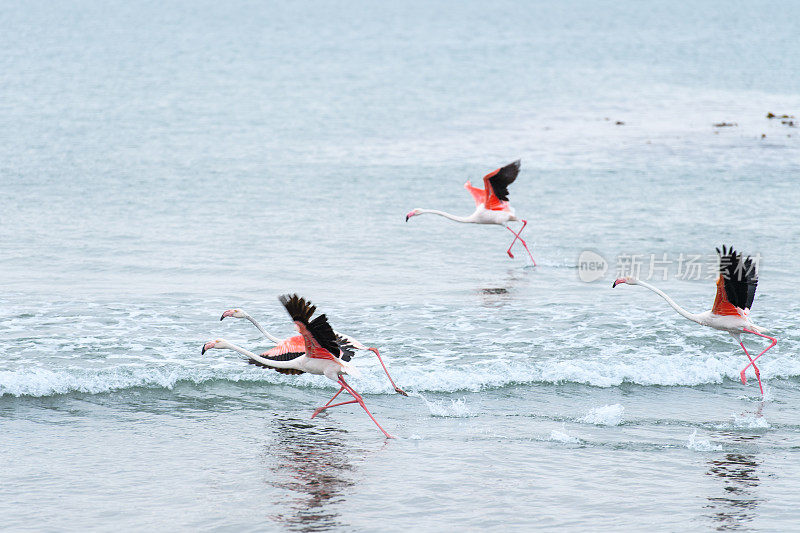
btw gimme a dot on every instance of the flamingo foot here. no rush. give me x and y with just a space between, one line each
744 379
510 254
398 390
317 411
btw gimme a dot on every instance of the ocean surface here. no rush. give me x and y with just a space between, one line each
161 162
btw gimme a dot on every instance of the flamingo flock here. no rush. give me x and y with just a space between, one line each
319 350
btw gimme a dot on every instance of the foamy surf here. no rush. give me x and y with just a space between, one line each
434 376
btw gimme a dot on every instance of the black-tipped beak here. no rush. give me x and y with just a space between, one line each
616 282
222 317
203 351
407 218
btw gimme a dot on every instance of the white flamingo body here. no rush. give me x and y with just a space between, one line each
732 324
330 368
481 215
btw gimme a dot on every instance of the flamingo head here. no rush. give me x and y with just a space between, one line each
219 344
413 213
629 280
235 313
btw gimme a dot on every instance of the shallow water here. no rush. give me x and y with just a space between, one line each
161 164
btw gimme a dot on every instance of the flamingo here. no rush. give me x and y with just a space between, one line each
491 204
296 344
736 288
323 353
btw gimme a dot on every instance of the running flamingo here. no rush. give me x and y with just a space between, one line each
323 353
491 204
736 288
296 345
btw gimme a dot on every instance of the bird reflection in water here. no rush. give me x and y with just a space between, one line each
311 465
499 295
739 473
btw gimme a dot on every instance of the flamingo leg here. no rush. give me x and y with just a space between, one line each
360 401
335 395
752 362
328 405
396 388
517 236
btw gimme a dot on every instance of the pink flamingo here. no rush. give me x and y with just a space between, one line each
296 345
323 353
736 288
491 204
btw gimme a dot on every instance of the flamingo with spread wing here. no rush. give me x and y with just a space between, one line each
295 344
322 352
491 204
736 289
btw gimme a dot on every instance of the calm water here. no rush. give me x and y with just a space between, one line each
161 163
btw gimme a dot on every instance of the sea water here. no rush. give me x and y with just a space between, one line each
163 162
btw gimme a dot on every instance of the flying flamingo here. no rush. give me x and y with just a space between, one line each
296 344
323 353
491 204
736 288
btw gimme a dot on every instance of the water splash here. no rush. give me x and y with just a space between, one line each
701 445
456 408
608 415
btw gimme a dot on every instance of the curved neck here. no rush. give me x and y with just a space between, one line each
268 362
681 311
264 332
445 215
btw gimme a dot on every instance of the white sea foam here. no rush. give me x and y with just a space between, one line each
436 374
701 445
608 415
563 436
750 421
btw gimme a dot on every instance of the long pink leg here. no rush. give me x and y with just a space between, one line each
752 362
396 388
318 411
360 401
774 342
517 236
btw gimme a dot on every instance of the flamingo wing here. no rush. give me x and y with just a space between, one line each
288 349
496 186
318 336
736 284
478 195
346 348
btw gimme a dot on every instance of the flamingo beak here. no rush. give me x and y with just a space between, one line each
227 313
407 217
617 282
207 346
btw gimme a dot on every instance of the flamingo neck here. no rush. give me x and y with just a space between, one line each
268 362
264 332
681 311
445 215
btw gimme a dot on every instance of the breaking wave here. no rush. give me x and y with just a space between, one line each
437 376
